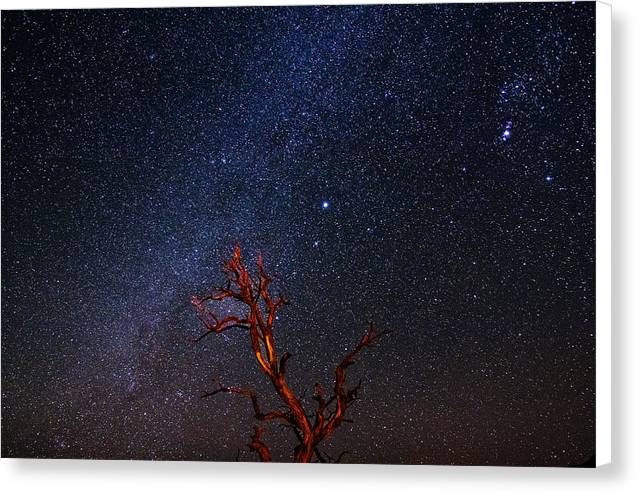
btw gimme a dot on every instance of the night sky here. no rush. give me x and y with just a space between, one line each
430 168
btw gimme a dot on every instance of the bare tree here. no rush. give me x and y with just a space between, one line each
252 292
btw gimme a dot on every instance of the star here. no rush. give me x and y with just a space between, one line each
506 134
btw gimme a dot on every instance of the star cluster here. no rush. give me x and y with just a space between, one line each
429 167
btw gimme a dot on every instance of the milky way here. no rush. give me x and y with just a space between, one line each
430 168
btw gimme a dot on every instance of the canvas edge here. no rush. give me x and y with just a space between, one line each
603 314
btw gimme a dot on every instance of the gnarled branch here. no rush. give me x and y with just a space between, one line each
259 447
250 394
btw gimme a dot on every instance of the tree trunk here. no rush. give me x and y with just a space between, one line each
304 452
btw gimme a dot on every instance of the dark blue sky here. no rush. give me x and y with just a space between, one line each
430 168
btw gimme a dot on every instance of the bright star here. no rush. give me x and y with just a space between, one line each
549 178
507 131
325 204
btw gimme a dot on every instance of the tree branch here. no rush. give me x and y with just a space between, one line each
343 396
259 447
251 394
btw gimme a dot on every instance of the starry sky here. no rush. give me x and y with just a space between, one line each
428 167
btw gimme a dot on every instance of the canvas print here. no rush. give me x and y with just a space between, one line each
335 234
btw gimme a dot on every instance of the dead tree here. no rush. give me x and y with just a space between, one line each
253 293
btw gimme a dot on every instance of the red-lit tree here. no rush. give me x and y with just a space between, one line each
259 306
